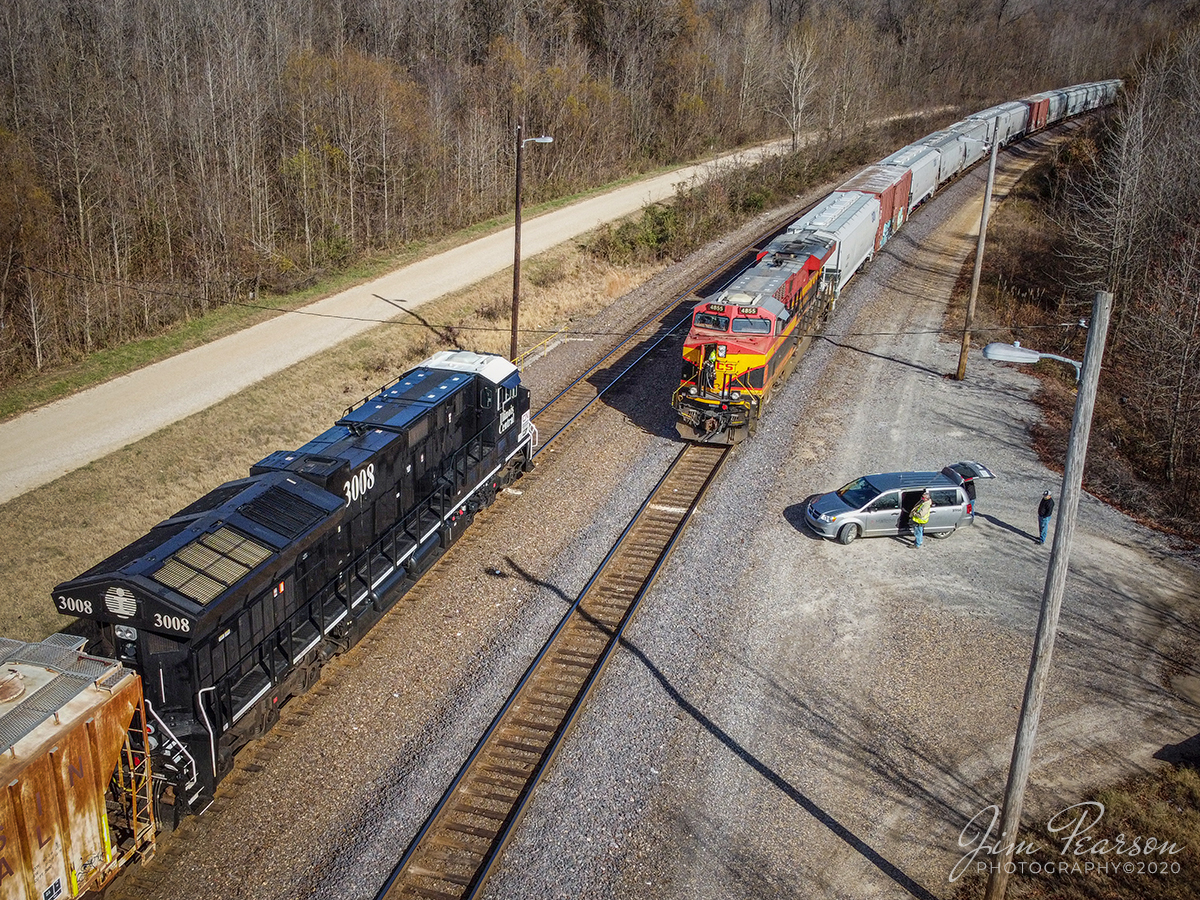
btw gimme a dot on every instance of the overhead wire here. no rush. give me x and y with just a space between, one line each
393 321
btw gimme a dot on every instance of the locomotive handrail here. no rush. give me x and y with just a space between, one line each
182 749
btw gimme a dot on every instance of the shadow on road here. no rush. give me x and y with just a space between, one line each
1001 524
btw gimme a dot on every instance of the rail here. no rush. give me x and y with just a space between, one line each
454 851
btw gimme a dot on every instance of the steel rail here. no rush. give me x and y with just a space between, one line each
454 851
572 401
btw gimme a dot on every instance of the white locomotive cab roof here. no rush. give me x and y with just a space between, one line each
764 302
495 369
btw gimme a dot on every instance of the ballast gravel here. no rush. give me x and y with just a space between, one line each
790 717
787 717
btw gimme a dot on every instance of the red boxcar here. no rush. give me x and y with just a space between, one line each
1039 111
891 185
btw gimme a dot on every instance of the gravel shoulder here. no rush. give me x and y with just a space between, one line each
787 716
791 717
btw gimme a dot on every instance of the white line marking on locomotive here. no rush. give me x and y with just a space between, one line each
249 703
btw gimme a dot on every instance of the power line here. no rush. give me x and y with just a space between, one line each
501 330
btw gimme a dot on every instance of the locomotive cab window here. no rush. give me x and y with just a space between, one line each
746 325
486 398
711 322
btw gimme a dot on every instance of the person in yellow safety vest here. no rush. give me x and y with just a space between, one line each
919 517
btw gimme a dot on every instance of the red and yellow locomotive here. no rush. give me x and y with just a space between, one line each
745 340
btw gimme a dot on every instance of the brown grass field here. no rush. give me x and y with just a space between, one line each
62 529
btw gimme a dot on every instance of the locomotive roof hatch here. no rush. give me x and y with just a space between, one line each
186 566
495 369
875 179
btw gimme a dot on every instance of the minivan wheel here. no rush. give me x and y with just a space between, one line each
848 533
943 534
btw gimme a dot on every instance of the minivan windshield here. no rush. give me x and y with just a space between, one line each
858 493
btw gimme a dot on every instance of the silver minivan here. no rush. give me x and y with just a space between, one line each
875 505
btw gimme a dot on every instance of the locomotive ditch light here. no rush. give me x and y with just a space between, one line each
692 391
735 396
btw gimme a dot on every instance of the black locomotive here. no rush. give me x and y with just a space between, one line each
233 604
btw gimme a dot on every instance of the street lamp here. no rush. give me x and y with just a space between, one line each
1056 577
1015 353
983 223
544 139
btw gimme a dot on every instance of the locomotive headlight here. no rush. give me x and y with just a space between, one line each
721 350
125 633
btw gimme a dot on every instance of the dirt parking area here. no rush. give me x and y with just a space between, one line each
795 718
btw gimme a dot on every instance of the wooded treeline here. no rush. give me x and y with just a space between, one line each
1134 230
158 157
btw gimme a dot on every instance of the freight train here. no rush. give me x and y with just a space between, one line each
221 613
745 340
232 605
78 804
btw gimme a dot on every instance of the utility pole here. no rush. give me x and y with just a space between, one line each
516 301
1052 596
983 224
517 246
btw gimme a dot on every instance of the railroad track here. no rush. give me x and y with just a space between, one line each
552 420
573 400
454 851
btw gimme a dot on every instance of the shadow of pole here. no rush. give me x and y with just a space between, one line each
448 333
892 871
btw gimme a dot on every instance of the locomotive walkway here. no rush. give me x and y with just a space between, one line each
49 442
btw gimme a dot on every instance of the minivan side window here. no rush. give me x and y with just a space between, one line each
890 500
945 498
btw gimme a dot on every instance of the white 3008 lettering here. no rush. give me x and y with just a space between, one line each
70 604
174 623
360 482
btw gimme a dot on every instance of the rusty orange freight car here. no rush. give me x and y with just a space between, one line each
76 803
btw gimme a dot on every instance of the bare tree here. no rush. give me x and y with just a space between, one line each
796 79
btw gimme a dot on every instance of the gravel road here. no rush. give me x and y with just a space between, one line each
795 718
788 717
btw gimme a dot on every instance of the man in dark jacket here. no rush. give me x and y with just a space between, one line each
1045 509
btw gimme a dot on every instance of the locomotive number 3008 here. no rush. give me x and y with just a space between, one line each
360 482
71 605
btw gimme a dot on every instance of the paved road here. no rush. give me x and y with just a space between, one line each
56 439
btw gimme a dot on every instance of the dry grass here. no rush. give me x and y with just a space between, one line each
1164 806
58 531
